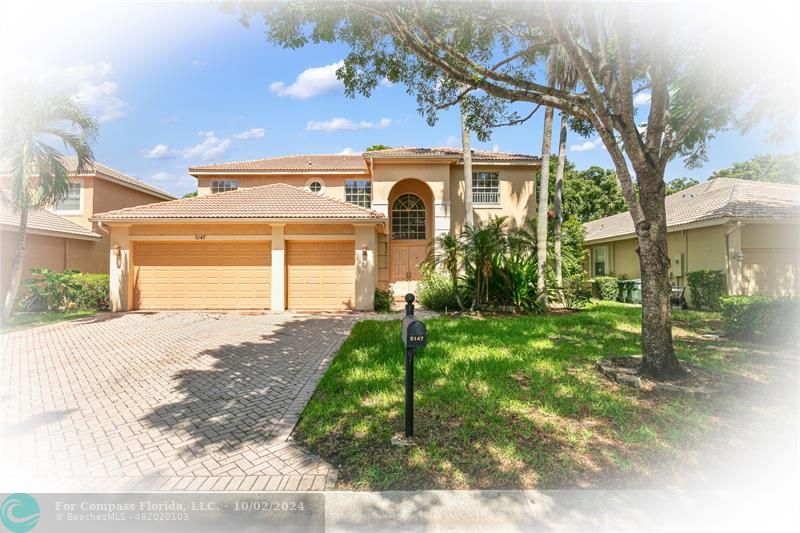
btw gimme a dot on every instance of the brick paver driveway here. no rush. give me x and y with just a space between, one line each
163 401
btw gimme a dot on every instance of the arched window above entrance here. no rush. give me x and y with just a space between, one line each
408 218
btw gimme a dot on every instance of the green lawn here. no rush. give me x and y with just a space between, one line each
506 402
22 321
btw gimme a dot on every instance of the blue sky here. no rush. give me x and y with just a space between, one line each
182 84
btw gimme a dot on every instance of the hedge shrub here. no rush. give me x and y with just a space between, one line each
383 301
48 290
435 292
761 318
705 288
576 291
605 287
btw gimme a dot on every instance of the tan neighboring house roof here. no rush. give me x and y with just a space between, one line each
291 164
276 201
44 222
714 201
103 171
448 153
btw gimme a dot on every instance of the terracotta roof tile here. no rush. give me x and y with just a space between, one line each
444 151
71 163
293 163
42 220
714 199
274 201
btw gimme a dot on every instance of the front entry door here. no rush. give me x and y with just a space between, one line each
406 260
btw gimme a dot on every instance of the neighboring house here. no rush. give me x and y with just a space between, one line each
64 236
750 230
307 232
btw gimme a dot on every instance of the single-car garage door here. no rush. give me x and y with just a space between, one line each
202 275
320 275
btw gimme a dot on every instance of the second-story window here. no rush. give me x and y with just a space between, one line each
224 185
485 188
358 192
72 201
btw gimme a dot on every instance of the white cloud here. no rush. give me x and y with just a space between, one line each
496 148
252 133
89 84
161 176
211 146
641 99
347 151
452 141
310 82
585 147
345 124
159 151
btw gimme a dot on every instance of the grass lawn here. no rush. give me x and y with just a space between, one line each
31 320
508 402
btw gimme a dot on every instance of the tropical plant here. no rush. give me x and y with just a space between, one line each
383 301
32 121
48 290
482 242
436 292
447 253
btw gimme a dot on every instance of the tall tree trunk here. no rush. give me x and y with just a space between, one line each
466 145
658 359
562 157
16 267
544 195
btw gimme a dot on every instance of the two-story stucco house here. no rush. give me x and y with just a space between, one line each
306 232
63 236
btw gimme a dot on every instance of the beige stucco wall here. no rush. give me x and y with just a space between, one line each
517 186
40 252
770 252
334 184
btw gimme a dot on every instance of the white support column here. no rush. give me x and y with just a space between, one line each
119 267
278 296
366 267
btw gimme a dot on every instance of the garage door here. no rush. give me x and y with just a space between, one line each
202 275
320 275
771 272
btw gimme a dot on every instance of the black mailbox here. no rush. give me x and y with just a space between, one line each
415 334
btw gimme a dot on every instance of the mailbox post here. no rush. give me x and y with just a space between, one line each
415 335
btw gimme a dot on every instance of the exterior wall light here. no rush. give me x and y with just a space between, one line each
116 250
364 253
739 256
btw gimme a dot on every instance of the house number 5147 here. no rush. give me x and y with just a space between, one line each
199 237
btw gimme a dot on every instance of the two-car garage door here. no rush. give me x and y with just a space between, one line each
320 275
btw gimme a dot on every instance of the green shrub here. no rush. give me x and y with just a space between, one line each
705 288
576 291
605 287
435 292
48 290
513 281
761 318
94 292
383 300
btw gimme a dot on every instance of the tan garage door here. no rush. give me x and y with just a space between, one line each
771 272
202 275
320 275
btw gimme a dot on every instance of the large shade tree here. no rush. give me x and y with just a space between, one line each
35 126
698 78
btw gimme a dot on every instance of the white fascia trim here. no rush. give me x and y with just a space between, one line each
279 172
284 221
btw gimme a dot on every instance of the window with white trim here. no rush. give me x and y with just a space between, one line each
408 218
72 201
224 185
485 188
600 261
358 192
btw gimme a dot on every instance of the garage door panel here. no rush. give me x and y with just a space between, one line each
208 275
320 275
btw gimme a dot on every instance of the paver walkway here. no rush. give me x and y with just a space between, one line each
163 401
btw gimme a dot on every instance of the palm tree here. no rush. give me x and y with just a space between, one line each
482 243
446 252
32 122
544 197
466 149
567 79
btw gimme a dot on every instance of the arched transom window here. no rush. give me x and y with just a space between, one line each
408 218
